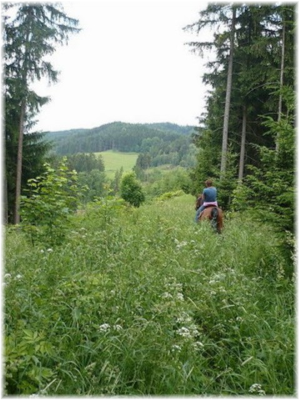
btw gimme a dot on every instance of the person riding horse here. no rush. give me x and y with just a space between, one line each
207 198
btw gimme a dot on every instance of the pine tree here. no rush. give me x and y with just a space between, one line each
256 86
29 35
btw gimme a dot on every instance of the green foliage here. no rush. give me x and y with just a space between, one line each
143 162
82 162
93 184
120 136
131 190
30 31
225 183
169 195
143 302
115 184
270 189
157 144
52 197
160 181
268 181
35 154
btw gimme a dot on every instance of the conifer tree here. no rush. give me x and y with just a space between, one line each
31 32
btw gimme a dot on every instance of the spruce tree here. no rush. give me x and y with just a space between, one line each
31 32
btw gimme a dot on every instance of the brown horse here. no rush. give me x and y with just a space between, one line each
215 215
212 213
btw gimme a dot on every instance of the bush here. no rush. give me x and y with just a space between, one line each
169 195
51 199
131 190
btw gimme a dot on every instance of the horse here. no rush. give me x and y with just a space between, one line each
215 215
212 213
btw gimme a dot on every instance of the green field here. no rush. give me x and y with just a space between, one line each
141 302
115 160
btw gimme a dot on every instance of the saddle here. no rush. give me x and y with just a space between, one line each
207 206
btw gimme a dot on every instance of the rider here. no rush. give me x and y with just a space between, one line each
209 196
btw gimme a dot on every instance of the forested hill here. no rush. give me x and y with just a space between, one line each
118 136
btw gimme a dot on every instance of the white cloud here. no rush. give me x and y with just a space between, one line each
129 63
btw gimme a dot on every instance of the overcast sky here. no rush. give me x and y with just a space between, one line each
129 63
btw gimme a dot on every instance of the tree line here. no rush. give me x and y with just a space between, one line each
247 138
166 143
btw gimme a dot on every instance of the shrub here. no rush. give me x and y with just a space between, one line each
131 190
169 195
51 198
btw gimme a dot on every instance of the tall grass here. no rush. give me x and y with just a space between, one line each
146 302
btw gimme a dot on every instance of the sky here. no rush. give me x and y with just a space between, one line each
129 63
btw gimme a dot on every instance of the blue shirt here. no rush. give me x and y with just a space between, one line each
210 194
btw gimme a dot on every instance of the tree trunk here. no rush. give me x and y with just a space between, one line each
6 220
281 81
228 95
19 164
243 144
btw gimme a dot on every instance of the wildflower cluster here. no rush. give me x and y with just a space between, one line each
8 278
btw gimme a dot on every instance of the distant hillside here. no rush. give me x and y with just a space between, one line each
120 136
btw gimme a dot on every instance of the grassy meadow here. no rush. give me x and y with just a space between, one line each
142 301
115 160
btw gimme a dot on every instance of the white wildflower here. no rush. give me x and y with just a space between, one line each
184 319
166 295
7 276
177 286
50 250
104 327
185 332
175 347
42 251
256 388
180 244
180 296
194 330
118 327
19 276
198 345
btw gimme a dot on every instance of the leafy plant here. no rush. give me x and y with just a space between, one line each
131 190
50 200
270 189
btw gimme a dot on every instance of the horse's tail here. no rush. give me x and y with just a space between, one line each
215 219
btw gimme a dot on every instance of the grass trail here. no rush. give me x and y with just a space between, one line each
145 302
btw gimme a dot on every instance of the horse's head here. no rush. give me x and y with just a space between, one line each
199 201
